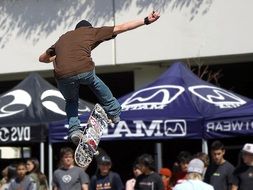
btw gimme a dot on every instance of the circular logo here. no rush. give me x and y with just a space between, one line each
4 134
66 178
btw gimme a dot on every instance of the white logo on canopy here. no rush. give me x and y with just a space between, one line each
158 97
20 97
217 96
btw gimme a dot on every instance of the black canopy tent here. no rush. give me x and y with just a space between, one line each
26 110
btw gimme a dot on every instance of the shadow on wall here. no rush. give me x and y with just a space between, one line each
34 19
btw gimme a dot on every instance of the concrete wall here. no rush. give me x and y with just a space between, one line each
186 29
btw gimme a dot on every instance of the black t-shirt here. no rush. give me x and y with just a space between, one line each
243 177
149 182
220 176
112 181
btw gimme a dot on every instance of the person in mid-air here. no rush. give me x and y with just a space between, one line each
73 65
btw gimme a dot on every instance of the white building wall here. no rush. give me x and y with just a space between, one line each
186 29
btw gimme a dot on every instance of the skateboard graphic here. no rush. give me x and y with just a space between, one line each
88 144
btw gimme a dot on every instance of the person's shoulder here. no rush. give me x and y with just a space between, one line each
58 170
228 164
33 176
104 29
113 173
78 169
154 175
208 186
180 186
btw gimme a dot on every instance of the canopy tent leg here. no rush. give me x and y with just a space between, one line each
204 146
158 151
50 165
42 157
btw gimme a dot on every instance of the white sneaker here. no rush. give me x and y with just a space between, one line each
76 136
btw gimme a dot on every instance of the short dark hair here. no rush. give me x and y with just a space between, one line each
217 145
146 160
184 157
83 23
66 150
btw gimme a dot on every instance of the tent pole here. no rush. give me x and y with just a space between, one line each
42 157
204 146
50 165
158 150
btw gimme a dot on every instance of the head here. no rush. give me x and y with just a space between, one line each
21 170
204 157
104 164
146 163
165 173
5 173
247 154
217 152
195 169
67 157
184 158
83 23
136 170
32 165
11 173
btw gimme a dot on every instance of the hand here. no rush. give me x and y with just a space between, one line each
152 17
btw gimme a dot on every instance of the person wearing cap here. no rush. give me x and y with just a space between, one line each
194 177
105 179
243 174
149 179
73 66
166 174
220 171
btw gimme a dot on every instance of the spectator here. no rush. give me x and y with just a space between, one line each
8 174
131 182
22 181
219 172
180 167
194 177
243 174
204 158
166 175
149 179
69 176
105 179
33 170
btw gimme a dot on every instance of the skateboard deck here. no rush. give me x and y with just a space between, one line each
92 133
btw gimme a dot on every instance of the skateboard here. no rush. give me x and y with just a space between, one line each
92 133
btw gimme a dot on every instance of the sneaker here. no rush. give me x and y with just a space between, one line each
115 119
75 136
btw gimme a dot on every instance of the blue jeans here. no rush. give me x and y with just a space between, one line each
69 87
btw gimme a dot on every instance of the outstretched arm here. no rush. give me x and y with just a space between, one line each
152 17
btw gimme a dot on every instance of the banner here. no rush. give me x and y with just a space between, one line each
137 130
229 128
22 134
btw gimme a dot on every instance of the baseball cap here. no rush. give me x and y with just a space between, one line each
165 171
104 160
83 23
248 148
196 166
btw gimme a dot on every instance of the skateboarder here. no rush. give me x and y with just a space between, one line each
73 65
